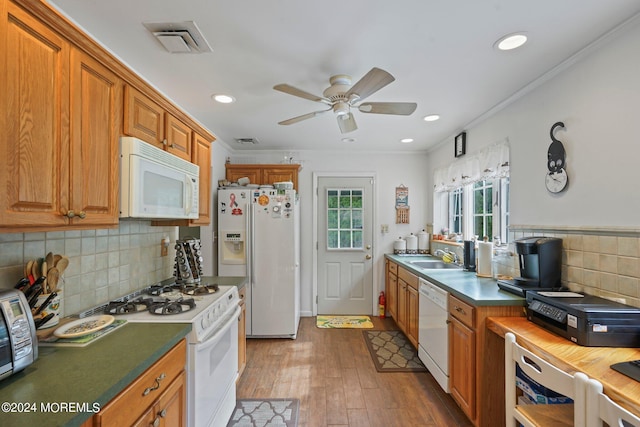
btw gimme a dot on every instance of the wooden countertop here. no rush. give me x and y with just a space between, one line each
593 361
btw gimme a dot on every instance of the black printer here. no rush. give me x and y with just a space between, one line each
585 319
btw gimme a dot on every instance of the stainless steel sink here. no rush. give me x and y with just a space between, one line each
434 264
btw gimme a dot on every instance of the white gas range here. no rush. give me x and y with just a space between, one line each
212 344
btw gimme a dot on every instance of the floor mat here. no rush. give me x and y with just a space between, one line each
391 351
344 322
265 412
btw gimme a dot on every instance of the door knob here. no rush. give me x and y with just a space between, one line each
368 256
368 246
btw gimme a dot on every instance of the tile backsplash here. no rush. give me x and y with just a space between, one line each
605 263
104 264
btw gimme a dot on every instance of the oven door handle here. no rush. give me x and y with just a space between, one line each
211 340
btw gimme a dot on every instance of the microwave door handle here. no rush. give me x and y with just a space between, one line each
189 196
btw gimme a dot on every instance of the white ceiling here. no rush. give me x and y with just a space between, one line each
440 52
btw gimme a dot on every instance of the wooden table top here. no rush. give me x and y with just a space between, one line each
594 362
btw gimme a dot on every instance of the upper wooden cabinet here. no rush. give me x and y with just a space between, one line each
145 119
61 116
263 174
202 157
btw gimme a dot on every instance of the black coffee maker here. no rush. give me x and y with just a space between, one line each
540 260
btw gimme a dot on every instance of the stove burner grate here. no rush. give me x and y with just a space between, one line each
169 307
126 307
157 290
199 289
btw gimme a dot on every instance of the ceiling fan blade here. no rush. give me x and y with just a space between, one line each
347 123
300 93
372 82
400 108
303 117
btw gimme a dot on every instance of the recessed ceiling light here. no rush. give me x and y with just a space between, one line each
348 140
431 118
406 140
223 99
511 41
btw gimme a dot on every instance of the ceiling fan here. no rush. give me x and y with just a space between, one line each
341 97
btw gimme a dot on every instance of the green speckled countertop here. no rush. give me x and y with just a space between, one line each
87 375
465 285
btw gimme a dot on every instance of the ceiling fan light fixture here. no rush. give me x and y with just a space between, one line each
348 140
431 118
341 108
222 98
511 41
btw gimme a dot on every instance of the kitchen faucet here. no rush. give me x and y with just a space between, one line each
442 253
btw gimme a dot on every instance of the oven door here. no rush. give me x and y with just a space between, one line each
213 369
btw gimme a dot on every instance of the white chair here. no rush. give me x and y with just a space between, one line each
600 408
541 371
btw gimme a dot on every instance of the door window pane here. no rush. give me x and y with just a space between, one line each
344 218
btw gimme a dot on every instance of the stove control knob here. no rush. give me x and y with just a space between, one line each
203 323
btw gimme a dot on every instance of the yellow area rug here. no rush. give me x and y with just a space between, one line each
344 322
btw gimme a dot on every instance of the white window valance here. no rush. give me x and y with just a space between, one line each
489 163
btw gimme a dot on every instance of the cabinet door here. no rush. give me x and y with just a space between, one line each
179 138
202 157
35 105
277 174
143 118
253 172
96 99
392 295
412 315
172 406
402 305
462 375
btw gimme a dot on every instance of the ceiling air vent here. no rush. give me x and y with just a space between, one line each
179 37
246 141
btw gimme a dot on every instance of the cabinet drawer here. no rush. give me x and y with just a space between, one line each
410 278
134 400
461 311
393 268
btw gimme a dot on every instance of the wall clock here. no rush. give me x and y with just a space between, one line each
460 144
556 179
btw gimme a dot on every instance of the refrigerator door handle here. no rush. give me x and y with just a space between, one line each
251 245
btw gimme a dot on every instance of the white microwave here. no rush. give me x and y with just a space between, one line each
156 184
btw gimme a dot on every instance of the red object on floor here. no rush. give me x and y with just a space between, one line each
382 302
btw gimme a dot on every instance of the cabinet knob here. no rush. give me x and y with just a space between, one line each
155 423
70 213
82 214
162 413
164 141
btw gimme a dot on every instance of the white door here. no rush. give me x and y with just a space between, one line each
345 240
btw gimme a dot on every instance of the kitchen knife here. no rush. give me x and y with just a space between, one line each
29 291
45 303
22 283
43 320
34 298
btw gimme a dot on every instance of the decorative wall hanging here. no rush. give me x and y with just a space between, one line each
556 179
460 144
402 205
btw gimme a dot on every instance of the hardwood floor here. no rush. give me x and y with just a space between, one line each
333 375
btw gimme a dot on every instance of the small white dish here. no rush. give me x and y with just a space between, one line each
84 326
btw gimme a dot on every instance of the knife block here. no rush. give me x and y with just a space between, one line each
188 262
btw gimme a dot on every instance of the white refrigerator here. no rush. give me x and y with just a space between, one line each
259 237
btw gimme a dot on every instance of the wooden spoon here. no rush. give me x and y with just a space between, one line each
52 279
62 264
49 259
28 268
44 271
56 258
35 269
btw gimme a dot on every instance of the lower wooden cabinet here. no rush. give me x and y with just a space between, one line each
242 333
462 367
402 299
158 397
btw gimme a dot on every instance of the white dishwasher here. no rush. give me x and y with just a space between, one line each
433 331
